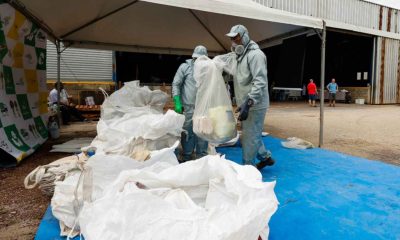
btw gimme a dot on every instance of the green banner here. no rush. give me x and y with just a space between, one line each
23 108
15 138
3 43
8 80
23 104
41 58
30 39
40 127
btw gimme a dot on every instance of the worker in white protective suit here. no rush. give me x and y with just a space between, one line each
252 98
184 94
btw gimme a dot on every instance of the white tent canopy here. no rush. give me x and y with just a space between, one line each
162 26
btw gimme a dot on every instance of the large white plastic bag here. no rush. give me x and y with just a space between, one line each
134 99
148 126
132 118
207 199
213 118
297 143
46 176
68 194
106 168
121 135
63 198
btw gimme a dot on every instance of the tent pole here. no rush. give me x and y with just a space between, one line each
322 97
58 47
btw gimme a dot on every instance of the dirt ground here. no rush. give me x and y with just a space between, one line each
371 132
21 210
368 131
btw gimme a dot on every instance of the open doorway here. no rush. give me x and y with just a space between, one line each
295 61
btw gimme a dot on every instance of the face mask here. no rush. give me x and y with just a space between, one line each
237 48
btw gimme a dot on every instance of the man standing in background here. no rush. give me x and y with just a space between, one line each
66 107
332 88
312 93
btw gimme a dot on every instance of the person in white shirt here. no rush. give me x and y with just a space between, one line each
67 109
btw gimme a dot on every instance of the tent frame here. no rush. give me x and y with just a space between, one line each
58 41
322 87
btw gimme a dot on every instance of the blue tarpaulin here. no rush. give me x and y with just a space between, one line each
322 194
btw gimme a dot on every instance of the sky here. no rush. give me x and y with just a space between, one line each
388 3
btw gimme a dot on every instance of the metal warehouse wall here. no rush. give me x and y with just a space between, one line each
386 68
80 64
355 12
387 84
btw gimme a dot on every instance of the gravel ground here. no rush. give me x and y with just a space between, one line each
367 131
21 210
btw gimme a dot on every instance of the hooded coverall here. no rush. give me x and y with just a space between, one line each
184 85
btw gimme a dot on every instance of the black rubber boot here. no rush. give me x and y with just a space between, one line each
266 162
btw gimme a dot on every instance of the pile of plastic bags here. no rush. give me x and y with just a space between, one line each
87 184
134 188
206 199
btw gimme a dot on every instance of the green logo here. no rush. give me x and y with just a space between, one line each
36 146
8 79
41 58
3 43
40 127
24 106
15 138
3 110
30 39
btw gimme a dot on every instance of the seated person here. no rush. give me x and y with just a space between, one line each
66 107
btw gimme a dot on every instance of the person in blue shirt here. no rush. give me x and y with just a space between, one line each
332 88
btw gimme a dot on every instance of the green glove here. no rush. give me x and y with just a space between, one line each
178 104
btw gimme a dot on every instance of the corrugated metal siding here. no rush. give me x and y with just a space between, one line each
384 19
391 66
376 83
80 64
355 12
387 74
395 21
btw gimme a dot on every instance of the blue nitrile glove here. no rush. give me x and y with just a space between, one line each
178 104
244 109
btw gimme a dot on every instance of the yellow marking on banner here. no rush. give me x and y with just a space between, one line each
18 55
21 156
18 22
31 81
43 102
